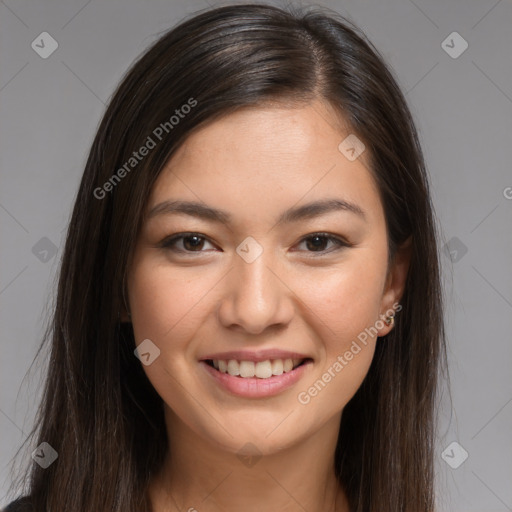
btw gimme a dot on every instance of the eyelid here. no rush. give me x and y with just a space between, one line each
168 242
340 242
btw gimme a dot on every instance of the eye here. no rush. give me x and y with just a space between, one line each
316 242
191 242
194 243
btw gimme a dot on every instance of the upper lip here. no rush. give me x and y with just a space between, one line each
255 355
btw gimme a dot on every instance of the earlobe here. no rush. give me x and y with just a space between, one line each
395 285
397 275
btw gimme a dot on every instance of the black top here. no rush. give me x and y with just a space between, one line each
19 505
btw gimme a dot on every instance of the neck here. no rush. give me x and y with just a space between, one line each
202 477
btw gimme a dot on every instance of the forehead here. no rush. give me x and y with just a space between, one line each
266 158
268 135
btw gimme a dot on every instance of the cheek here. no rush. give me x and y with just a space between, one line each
344 306
166 303
347 299
335 305
167 306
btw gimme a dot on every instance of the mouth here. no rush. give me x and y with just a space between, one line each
256 369
255 379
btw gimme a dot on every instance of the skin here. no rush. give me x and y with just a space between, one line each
255 164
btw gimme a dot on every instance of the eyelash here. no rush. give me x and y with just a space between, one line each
170 242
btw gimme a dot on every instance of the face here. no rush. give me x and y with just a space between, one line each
264 281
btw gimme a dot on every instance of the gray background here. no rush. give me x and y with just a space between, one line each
51 107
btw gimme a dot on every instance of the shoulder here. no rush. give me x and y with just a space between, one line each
22 504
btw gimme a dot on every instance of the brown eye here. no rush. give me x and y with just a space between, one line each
190 243
317 242
195 242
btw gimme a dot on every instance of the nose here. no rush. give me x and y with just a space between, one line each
256 297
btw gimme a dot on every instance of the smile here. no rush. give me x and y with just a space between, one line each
252 379
261 369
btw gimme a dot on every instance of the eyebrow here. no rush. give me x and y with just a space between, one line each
307 211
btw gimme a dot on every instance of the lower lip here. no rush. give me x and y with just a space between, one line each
254 387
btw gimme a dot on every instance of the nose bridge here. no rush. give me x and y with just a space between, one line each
255 297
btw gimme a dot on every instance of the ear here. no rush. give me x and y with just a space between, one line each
395 284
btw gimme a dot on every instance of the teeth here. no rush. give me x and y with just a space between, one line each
261 369
277 367
233 367
246 369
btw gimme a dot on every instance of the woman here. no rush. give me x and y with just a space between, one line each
249 310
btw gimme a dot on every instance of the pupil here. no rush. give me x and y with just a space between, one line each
197 241
319 239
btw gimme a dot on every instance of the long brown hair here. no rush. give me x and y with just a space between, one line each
98 409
